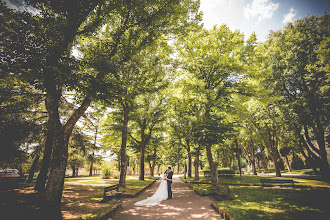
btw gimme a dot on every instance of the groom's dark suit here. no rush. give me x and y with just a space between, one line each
169 183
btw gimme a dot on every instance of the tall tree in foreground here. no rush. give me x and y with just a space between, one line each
61 22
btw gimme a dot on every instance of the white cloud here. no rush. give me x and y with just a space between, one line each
262 9
289 16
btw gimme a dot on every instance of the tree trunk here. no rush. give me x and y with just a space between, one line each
276 165
91 166
178 165
33 168
73 171
152 168
142 152
287 163
43 174
189 159
238 158
62 134
213 167
123 161
197 165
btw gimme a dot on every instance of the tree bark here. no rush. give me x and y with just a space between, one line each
123 161
189 159
91 166
152 168
213 167
142 152
73 171
33 168
45 164
62 134
276 165
238 158
287 163
197 165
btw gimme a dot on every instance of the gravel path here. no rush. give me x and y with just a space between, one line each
186 204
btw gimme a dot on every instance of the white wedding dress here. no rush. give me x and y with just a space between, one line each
160 195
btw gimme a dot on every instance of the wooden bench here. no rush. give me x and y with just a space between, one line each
222 192
279 181
114 192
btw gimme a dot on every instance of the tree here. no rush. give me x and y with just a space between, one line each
211 59
147 118
299 72
57 30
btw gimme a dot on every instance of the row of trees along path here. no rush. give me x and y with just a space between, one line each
226 94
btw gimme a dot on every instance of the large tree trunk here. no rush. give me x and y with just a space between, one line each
123 161
213 167
276 164
33 168
43 174
62 134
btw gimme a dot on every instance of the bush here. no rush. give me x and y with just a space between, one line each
106 172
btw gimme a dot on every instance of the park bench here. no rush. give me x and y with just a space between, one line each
278 181
222 192
114 192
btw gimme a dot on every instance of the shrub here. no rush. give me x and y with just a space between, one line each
106 171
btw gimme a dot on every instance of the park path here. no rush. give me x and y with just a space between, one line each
186 204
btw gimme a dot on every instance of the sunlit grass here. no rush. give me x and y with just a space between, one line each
302 171
82 195
261 203
255 180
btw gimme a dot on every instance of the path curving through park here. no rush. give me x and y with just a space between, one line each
186 204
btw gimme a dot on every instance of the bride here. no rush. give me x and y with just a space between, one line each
160 194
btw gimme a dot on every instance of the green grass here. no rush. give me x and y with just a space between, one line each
302 171
252 179
83 202
262 203
81 195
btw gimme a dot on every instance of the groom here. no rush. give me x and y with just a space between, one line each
169 182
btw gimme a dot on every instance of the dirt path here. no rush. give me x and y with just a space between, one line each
185 205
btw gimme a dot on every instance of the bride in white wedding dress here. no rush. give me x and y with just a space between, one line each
160 195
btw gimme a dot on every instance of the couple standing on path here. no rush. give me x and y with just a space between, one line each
163 192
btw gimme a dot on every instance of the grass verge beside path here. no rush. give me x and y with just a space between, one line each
255 180
83 202
263 204
82 196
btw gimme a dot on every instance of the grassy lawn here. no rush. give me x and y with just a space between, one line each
252 179
302 171
82 202
262 203
82 195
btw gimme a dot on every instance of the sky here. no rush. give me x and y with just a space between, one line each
259 16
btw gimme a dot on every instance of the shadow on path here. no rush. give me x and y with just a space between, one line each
186 204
